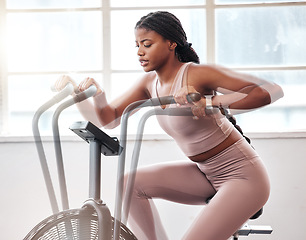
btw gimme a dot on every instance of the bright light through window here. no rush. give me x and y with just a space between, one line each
54 41
271 36
45 39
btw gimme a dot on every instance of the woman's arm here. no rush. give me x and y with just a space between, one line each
109 114
85 107
239 91
257 92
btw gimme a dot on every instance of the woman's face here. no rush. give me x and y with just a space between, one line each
153 49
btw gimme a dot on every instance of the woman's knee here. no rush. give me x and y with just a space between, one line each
134 182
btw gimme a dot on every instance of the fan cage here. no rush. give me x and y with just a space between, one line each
73 224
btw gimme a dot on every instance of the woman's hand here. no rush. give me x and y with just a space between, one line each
87 82
62 82
198 108
180 96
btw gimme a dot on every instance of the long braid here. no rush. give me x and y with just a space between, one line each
232 119
170 27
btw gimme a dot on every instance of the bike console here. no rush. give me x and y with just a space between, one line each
89 132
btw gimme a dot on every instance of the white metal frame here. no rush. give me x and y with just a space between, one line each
106 70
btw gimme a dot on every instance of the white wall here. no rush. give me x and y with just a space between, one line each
24 201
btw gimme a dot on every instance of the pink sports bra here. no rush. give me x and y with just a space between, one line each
193 136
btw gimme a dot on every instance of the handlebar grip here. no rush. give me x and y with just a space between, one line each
68 81
89 92
191 97
54 89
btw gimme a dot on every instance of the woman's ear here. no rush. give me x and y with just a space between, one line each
172 45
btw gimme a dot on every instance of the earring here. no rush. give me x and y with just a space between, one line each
173 46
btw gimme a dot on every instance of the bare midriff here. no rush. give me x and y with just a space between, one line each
230 140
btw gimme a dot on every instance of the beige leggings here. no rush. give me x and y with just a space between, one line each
236 176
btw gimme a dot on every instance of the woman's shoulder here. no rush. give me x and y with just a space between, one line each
196 71
205 71
203 76
145 83
147 79
204 67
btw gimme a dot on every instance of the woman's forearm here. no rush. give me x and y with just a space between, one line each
250 98
99 112
86 108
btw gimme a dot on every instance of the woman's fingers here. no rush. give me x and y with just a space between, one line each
198 109
62 81
87 82
180 96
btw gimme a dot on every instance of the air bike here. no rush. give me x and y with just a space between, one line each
93 221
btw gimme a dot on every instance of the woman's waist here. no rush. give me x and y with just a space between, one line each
233 137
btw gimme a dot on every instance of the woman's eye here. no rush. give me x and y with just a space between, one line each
145 45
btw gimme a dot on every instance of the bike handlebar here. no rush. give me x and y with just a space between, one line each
65 92
191 97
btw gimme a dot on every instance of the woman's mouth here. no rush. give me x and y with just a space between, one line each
143 63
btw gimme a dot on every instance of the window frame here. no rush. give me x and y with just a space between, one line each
106 69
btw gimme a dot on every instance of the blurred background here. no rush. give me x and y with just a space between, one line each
42 39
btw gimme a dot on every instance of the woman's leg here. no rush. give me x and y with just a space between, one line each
180 182
233 204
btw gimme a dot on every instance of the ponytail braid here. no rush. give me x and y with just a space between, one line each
170 27
186 53
232 119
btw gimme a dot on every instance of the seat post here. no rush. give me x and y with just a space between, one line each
94 170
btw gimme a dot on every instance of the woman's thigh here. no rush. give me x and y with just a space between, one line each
180 182
235 201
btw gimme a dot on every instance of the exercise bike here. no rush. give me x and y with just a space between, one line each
93 220
245 230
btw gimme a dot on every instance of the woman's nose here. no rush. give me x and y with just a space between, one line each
140 52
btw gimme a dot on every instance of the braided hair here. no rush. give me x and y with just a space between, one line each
170 27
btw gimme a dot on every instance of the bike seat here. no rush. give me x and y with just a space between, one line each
255 216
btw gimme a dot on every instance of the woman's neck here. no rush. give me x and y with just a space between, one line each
167 74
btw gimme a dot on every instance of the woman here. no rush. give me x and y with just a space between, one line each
221 160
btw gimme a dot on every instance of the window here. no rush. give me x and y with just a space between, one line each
269 42
42 39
